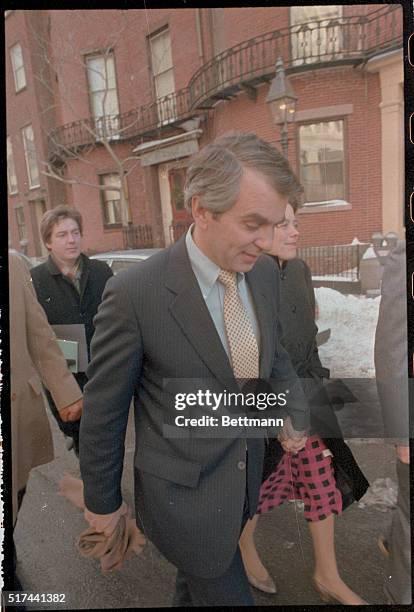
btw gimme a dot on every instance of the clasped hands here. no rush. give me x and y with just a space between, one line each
292 441
72 412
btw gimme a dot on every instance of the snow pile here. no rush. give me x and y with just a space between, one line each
349 353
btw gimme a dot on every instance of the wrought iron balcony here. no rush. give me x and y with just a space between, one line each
145 120
316 44
343 40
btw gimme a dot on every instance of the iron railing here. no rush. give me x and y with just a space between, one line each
138 237
347 39
178 228
137 122
341 262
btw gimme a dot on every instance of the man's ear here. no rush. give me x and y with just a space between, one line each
201 215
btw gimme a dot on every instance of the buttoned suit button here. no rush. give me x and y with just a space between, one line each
294 308
241 465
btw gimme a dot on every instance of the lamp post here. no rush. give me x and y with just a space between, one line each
282 102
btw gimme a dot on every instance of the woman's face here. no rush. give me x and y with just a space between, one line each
285 238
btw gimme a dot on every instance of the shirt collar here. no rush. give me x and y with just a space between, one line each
206 271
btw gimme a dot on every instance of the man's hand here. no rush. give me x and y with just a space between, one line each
403 453
105 523
72 412
292 441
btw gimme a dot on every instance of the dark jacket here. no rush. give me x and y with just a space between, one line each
65 306
297 318
60 299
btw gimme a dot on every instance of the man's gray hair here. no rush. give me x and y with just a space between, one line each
215 172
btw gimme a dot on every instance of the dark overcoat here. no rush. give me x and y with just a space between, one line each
60 299
297 318
64 305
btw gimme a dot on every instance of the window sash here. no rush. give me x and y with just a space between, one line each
164 84
308 46
11 169
18 67
102 86
322 161
161 56
111 200
30 156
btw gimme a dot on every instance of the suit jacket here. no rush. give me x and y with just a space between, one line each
34 356
153 331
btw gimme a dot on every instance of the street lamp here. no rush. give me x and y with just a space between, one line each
282 102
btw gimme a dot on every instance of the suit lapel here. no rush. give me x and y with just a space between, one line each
191 313
264 316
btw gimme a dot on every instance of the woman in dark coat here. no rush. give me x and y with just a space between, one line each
324 474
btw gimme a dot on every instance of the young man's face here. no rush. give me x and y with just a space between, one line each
65 241
235 239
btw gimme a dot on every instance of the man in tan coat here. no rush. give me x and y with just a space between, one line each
35 356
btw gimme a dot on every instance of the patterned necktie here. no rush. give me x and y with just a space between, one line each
242 341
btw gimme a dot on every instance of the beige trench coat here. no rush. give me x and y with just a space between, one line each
34 357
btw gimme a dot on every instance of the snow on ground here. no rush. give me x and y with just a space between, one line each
349 353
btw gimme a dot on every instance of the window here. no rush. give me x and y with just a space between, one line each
163 74
316 35
103 94
18 67
11 171
111 200
322 165
21 224
30 155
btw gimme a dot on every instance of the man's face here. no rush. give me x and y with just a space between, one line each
65 241
235 239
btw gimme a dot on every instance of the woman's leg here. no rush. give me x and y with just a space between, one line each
326 569
249 553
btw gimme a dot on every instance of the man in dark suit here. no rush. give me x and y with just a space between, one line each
69 287
204 309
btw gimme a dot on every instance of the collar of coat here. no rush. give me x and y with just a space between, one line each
54 269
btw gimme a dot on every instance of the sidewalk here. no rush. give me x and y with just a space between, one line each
49 563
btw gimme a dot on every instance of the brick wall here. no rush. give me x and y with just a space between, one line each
73 34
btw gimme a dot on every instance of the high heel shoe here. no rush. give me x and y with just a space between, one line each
328 596
267 585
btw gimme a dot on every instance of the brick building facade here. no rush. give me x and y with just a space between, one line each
97 95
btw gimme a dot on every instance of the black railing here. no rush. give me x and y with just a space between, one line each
341 262
138 237
178 228
137 122
348 39
341 40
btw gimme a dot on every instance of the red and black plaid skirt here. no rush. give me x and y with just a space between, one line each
306 476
